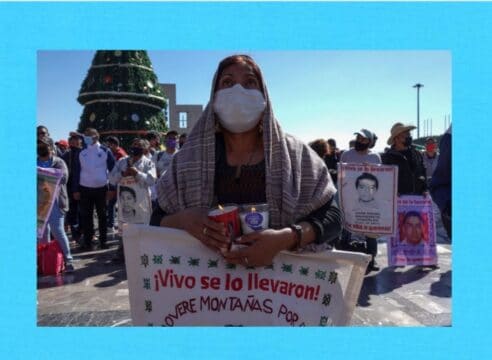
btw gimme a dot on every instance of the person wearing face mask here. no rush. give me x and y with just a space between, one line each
92 188
361 154
162 159
55 224
138 166
135 165
238 153
431 158
411 168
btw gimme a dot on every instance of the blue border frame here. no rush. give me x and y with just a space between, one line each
462 28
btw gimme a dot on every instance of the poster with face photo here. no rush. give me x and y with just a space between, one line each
415 241
368 197
134 204
48 181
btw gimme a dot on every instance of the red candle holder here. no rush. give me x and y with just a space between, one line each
229 216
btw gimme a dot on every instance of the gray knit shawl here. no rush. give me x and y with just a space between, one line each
297 180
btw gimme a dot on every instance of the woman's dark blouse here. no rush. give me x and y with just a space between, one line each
250 188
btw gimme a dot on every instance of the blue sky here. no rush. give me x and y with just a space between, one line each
314 93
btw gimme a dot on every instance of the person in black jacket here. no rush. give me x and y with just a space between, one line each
70 157
411 169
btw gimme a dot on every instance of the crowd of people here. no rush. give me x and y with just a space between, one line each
236 153
424 173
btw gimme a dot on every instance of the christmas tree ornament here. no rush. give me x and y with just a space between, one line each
145 88
150 84
135 117
92 117
108 79
113 116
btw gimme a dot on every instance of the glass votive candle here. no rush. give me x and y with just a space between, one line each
254 217
227 214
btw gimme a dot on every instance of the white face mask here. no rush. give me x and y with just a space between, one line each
239 109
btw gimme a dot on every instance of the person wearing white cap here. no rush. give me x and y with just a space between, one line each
361 154
411 169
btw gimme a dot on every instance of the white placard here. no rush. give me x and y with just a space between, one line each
368 197
174 280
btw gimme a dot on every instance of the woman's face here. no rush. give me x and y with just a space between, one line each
238 74
127 201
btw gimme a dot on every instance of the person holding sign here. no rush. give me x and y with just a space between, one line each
366 185
238 153
138 171
55 224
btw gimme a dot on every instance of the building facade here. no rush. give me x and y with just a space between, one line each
181 117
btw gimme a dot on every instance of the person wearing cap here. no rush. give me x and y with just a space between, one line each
411 169
62 146
431 157
361 153
55 223
70 158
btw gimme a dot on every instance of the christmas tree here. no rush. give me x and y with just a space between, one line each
121 96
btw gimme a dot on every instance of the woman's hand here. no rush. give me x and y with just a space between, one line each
263 246
195 221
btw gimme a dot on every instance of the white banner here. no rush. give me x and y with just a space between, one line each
174 280
368 197
134 204
415 240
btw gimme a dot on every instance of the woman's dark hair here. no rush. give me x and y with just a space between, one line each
368 177
113 140
320 146
130 190
239 59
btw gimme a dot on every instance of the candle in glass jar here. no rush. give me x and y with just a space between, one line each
254 217
228 215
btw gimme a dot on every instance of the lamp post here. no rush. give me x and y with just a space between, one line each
418 86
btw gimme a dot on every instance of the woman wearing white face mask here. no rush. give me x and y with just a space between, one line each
238 153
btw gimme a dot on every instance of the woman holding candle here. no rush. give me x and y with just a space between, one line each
238 153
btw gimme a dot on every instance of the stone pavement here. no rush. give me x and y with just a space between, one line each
96 294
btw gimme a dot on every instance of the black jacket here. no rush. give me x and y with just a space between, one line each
411 170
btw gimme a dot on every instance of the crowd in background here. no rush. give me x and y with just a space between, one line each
92 169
